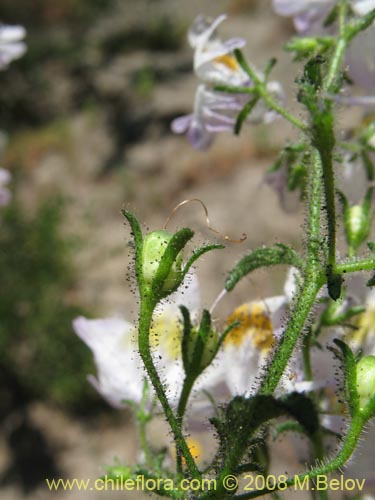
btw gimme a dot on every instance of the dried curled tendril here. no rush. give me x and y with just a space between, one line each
208 224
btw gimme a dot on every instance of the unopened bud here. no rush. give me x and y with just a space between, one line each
201 352
154 246
366 380
357 225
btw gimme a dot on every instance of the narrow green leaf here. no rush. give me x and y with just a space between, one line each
349 366
262 257
138 242
198 253
246 110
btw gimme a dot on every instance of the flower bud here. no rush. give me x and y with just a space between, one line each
366 380
357 225
200 351
154 246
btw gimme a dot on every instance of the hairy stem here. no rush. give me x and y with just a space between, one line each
147 308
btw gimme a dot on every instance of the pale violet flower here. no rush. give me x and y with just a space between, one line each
305 13
113 341
214 61
309 13
5 194
11 45
215 64
216 112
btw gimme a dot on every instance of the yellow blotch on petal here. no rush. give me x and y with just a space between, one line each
166 333
255 323
228 61
365 328
195 448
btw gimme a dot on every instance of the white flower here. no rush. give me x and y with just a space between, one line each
120 373
363 7
214 61
11 46
216 112
246 348
5 194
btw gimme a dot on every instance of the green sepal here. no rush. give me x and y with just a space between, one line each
186 332
199 345
244 113
262 257
349 366
176 244
138 242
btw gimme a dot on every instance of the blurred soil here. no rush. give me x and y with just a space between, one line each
116 151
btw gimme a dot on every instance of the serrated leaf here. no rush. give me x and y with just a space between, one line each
262 257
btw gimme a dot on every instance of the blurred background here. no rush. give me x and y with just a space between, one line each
85 131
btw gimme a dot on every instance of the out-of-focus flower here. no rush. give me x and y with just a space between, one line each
120 376
214 64
305 13
11 46
214 61
216 112
5 194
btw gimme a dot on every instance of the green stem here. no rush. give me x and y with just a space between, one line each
145 318
313 282
339 52
142 422
341 458
185 393
356 266
260 87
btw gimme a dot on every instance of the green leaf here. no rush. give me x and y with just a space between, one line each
360 24
302 408
262 257
289 426
349 365
198 253
371 245
138 241
246 110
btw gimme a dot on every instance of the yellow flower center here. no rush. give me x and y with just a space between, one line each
255 323
228 61
166 333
